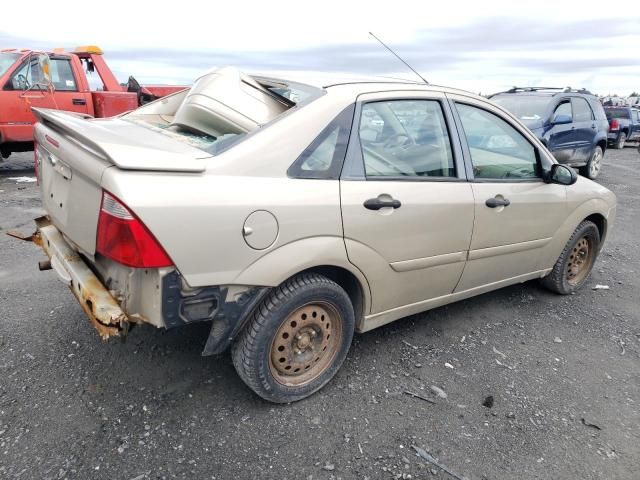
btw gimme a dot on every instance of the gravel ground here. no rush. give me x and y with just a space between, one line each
563 374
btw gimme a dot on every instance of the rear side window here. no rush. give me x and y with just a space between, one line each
562 110
323 159
617 113
405 138
581 110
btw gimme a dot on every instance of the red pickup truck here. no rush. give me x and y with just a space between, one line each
57 79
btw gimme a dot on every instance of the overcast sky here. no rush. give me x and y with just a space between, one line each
484 46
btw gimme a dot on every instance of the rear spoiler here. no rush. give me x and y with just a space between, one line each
108 145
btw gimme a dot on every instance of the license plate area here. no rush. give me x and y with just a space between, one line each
56 180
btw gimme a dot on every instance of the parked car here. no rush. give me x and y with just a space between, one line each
570 123
58 80
291 225
624 125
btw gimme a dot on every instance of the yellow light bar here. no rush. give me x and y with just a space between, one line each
92 49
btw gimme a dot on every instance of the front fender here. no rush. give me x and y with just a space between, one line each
596 206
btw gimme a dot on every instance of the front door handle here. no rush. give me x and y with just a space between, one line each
494 202
79 101
377 203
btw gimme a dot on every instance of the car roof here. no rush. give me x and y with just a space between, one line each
358 84
546 93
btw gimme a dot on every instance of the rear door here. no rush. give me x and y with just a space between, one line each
516 212
635 125
562 140
585 128
406 205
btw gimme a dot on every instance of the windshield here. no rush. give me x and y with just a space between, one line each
617 113
528 108
6 60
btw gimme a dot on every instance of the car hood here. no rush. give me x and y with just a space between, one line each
533 123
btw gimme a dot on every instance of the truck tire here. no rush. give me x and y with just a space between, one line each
622 138
296 340
573 267
592 169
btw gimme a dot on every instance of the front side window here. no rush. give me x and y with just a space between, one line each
581 110
30 76
563 111
7 59
498 150
405 138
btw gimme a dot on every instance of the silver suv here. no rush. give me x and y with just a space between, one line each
291 215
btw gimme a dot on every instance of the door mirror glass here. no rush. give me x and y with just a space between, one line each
562 174
43 76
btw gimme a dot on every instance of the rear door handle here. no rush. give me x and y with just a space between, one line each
377 203
494 202
79 101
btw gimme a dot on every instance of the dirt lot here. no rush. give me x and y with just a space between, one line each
564 374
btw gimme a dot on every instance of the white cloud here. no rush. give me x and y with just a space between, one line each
244 30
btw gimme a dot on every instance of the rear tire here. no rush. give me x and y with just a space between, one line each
622 138
592 169
296 340
573 267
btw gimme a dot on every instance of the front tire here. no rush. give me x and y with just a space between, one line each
573 267
296 340
592 169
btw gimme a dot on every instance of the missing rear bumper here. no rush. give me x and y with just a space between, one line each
102 309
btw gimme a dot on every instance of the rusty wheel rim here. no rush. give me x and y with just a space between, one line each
580 261
306 344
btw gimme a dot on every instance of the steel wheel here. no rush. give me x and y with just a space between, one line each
580 260
306 344
595 164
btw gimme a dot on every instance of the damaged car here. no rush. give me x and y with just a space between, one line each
290 215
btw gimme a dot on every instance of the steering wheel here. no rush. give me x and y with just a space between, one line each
22 80
394 141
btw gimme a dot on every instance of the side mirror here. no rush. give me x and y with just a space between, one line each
561 119
561 174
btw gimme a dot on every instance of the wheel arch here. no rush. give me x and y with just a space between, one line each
349 283
601 222
325 255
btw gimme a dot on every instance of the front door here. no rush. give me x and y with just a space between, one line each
407 208
24 89
516 212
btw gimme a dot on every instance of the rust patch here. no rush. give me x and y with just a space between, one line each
101 308
21 236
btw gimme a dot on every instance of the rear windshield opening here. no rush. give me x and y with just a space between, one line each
222 108
525 107
617 113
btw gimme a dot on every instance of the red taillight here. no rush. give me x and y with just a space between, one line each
614 124
124 238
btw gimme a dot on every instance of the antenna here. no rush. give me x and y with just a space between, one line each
399 58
